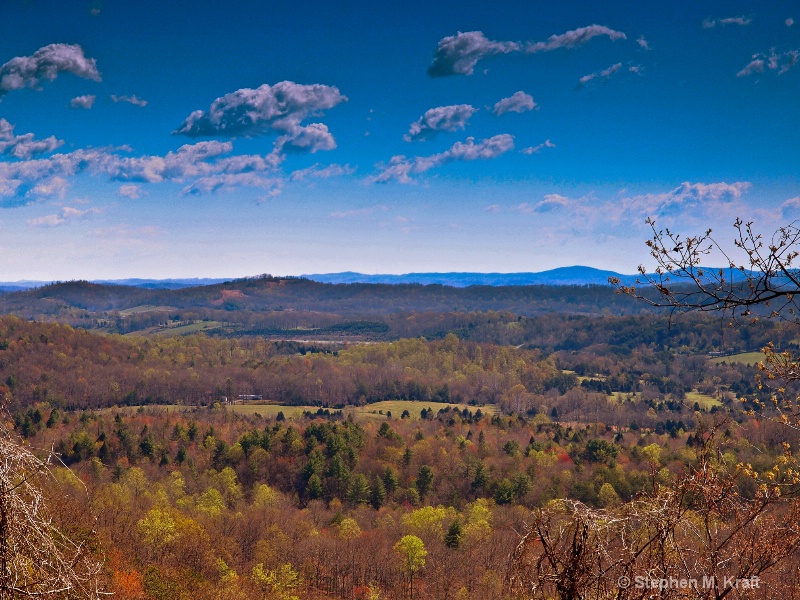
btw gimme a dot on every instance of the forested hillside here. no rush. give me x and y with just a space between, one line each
182 491
207 504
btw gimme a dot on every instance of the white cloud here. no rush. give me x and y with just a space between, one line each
711 23
688 195
86 102
55 187
605 74
47 221
643 42
774 62
230 181
538 148
754 66
442 118
24 146
574 38
248 112
552 202
130 191
135 100
68 213
204 165
524 208
46 63
318 172
309 138
791 205
493 208
458 54
400 168
789 22
190 160
518 102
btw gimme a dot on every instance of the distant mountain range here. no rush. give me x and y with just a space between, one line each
149 284
575 275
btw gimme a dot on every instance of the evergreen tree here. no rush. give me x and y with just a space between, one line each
424 480
452 538
378 493
390 480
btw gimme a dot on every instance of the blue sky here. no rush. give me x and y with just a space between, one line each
183 139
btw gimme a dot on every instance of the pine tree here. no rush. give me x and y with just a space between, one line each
452 538
378 493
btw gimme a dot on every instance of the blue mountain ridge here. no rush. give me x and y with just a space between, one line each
573 275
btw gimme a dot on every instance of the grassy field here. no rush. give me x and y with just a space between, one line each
370 412
179 330
747 358
583 378
704 400
396 407
143 308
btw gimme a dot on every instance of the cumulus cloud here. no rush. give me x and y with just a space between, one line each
24 146
789 22
604 74
518 102
643 43
18 178
458 54
538 148
55 187
441 118
401 168
67 213
206 166
46 63
310 138
130 191
711 23
791 205
552 202
230 181
493 208
688 195
249 112
86 102
576 37
318 172
772 61
754 66
135 100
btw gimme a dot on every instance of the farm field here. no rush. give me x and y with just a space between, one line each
178 330
704 400
370 412
745 358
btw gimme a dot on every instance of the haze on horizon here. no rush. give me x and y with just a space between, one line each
208 139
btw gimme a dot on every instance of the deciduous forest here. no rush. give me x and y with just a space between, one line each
494 458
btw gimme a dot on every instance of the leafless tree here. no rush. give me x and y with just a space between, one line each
764 275
699 530
762 282
37 559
